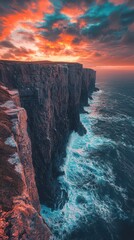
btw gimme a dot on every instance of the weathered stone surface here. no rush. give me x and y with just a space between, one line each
88 85
19 202
52 94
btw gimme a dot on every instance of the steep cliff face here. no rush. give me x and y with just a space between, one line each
19 211
88 85
51 93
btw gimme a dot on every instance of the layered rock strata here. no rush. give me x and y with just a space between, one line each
52 94
19 202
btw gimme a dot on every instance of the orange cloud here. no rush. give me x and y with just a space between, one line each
18 53
82 23
73 11
21 39
33 14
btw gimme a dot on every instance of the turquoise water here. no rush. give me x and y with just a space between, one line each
98 173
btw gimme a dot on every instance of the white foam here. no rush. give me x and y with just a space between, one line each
83 177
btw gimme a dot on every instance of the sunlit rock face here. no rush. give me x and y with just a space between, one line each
19 212
52 94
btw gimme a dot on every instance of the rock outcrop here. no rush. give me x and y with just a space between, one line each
19 203
52 94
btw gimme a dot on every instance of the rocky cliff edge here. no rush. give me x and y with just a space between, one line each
19 202
52 95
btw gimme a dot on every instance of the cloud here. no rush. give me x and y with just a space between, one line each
18 13
128 39
91 31
26 36
17 53
8 7
53 25
6 44
127 17
59 4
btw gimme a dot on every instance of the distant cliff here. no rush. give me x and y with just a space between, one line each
53 95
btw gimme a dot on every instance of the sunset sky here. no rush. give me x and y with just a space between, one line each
92 32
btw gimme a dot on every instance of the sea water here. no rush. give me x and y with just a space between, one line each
99 168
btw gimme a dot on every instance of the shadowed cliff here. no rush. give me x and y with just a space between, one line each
52 94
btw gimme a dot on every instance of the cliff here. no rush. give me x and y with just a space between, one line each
52 94
19 211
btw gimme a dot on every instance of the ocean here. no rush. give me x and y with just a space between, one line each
99 167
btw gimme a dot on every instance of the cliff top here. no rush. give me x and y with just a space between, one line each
39 62
44 63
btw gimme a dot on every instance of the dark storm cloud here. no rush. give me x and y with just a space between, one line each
6 44
127 17
16 3
61 3
103 24
101 12
8 7
52 35
104 21
95 31
50 32
96 54
130 2
128 38
50 19
76 40
108 23
73 29
79 2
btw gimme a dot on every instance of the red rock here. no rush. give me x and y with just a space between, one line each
20 209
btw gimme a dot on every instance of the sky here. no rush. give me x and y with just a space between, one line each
97 33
